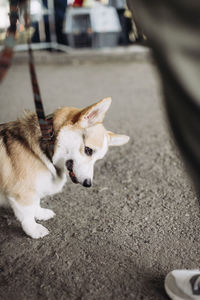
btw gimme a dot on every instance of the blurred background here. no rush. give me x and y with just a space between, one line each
77 23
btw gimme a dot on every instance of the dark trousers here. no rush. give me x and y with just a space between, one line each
126 27
60 9
172 28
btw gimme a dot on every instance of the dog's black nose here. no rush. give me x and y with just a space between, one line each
87 183
69 164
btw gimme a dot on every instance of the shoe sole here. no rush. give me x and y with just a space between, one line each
174 290
171 295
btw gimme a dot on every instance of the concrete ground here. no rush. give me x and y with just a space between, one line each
139 220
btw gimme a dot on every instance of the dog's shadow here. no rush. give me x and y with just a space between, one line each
9 226
157 284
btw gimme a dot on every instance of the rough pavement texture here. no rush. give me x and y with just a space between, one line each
118 239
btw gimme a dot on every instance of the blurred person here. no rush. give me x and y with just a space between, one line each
126 25
172 29
60 7
36 12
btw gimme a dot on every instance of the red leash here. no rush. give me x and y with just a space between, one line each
46 125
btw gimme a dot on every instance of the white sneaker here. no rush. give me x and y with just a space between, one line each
183 284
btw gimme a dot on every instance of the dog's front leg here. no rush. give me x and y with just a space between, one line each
43 213
26 215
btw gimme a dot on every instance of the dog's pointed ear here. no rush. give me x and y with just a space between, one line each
94 113
117 139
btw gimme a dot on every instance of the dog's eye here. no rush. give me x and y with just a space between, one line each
88 151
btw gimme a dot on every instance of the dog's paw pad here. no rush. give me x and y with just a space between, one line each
37 232
44 214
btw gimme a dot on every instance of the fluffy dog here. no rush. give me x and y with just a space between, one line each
27 174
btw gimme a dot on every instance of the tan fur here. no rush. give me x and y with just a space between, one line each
92 110
20 155
95 136
65 116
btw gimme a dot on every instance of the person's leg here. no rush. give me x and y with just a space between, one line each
46 23
60 7
36 35
172 28
123 39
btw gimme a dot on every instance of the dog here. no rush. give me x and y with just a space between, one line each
27 174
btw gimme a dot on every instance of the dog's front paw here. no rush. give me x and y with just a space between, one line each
35 230
44 214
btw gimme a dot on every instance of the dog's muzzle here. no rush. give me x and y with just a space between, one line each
69 165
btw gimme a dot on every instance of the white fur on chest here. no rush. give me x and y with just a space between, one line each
48 184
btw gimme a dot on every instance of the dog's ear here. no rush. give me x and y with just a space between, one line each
117 139
94 113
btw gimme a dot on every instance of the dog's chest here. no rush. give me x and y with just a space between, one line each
46 184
